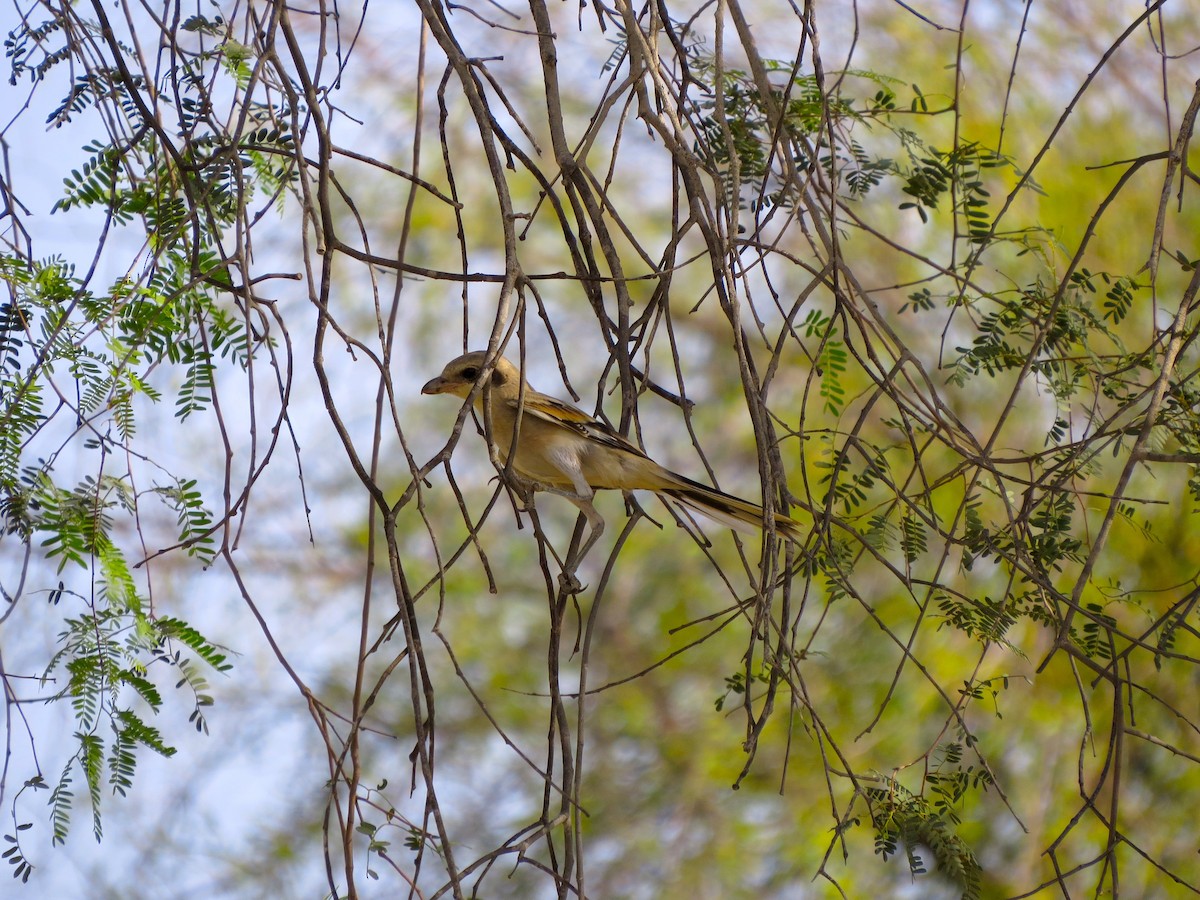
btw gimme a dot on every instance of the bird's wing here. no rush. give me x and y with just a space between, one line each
731 511
564 415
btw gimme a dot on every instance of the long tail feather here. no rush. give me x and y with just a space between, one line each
732 512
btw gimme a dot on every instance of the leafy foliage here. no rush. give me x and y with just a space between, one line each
760 141
79 364
905 821
107 654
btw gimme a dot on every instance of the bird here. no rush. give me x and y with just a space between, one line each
562 449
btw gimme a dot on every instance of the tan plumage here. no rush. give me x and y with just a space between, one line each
562 448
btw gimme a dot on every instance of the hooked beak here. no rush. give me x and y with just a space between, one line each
437 385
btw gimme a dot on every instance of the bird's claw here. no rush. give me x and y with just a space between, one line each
569 584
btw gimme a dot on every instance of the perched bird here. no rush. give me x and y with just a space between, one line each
562 449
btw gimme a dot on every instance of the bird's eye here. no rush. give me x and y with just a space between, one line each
470 373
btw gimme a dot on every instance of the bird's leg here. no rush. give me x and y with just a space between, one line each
569 464
595 529
523 491
596 523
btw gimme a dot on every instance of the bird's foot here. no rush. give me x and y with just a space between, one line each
569 585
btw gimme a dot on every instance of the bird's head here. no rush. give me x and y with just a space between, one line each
459 375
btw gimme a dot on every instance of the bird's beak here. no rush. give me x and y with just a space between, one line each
437 385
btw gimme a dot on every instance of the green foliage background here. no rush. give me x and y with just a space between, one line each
928 280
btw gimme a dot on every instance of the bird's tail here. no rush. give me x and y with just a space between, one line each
733 512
